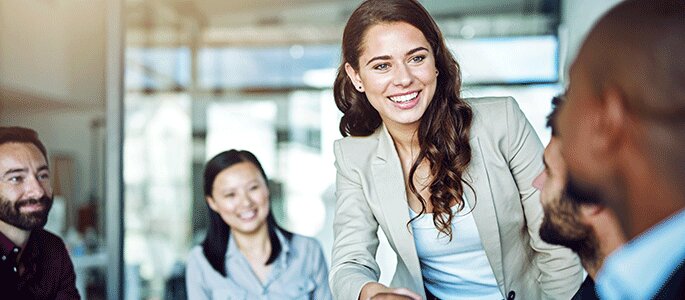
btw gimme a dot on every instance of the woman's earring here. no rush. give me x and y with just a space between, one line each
359 88
437 72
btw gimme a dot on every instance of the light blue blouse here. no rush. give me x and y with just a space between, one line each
456 269
299 272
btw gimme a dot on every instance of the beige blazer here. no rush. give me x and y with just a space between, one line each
506 157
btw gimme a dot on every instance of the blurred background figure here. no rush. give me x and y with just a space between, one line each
34 263
245 253
623 131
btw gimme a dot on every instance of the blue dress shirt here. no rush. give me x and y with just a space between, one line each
640 268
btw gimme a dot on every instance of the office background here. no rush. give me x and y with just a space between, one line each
131 97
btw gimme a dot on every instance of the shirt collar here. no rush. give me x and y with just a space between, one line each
285 249
633 272
6 245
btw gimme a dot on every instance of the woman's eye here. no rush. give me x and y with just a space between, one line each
418 58
254 187
381 67
16 179
44 176
230 195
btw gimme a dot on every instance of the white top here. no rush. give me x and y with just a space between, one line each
457 269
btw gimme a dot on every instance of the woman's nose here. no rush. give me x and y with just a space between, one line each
245 199
402 75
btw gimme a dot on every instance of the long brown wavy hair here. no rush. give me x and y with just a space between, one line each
447 151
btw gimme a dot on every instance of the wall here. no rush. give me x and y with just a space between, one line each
52 72
53 49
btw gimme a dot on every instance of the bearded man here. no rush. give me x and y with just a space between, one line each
588 228
622 129
34 264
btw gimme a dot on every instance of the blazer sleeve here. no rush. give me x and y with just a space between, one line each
561 272
355 228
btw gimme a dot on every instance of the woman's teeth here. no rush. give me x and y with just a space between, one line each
248 214
404 98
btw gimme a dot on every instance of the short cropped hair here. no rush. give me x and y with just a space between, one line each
16 134
552 117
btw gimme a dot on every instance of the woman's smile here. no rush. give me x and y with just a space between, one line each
248 215
405 101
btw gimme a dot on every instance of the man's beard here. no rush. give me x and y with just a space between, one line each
10 213
579 194
561 226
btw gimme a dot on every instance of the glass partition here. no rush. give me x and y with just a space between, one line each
263 100
157 181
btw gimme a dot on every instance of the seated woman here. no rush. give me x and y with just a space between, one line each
245 254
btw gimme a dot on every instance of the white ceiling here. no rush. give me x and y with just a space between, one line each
246 22
268 12
231 13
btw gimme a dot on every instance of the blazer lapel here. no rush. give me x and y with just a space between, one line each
389 181
484 210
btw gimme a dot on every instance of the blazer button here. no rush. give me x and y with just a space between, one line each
511 295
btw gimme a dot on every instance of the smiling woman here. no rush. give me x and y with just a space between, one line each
246 253
448 179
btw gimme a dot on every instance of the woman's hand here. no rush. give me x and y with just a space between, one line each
398 294
377 291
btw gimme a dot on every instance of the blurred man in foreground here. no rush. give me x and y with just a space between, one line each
589 229
623 133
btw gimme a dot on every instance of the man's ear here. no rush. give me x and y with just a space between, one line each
613 121
590 213
591 209
354 77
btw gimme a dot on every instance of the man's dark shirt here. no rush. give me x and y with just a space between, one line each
586 290
47 269
674 288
